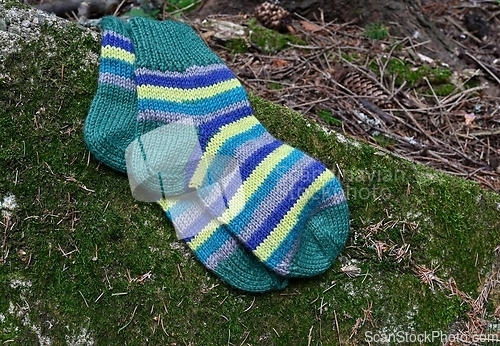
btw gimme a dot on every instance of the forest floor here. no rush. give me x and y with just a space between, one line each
389 91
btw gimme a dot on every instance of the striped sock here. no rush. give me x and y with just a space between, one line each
110 127
284 206
110 124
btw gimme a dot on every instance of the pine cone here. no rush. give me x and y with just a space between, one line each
272 16
363 86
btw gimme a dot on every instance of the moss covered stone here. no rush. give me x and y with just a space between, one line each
269 41
237 45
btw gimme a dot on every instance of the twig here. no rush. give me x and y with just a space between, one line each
482 133
247 309
446 114
163 327
483 67
180 10
337 326
119 294
85 300
180 272
131 318
247 333
329 288
100 295
309 337
118 7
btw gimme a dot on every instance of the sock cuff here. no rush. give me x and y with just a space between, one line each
117 56
116 40
113 24
169 46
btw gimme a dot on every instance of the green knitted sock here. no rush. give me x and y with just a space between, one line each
110 124
284 206
110 127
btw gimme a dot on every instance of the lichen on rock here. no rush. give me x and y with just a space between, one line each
20 27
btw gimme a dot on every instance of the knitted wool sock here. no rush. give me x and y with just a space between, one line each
110 127
288 209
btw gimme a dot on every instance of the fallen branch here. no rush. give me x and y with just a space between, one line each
84 8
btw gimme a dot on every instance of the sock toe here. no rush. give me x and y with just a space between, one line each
252 275
325 235
224 255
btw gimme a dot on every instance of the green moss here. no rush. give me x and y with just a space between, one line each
13 3
328 117
384 141
274 86
183 5
472 83
237 45
414 76
376 31
350 57
86 243
445 89
270 41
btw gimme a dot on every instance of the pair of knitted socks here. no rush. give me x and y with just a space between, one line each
170 113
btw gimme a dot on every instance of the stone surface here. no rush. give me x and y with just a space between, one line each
19 26
24 26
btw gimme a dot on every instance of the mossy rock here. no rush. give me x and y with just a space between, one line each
269 41
237 45
83 263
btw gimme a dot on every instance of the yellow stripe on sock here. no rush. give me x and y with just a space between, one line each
164 204
281 231
254 181
244 193
182 95
201 237
117 53
204 235
225 133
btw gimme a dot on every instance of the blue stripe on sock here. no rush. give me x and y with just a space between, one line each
209 129
212 244
286 204
256 158
247 167
187 81
256 200
115 41
117 67
228 149
231 145
280 253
